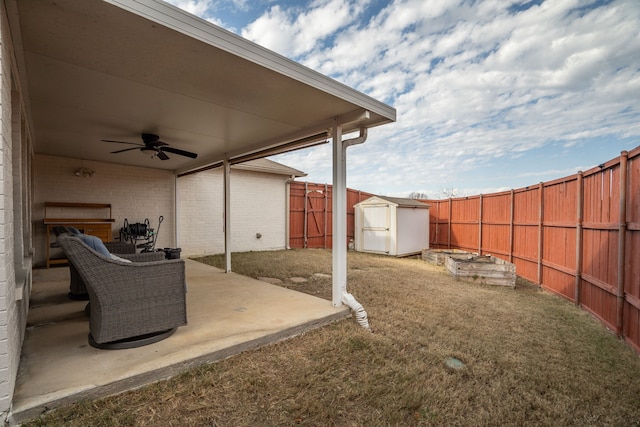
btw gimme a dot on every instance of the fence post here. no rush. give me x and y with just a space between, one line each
480 226
540 230
511 220
450 208
326 207
622 231
304 231
579 219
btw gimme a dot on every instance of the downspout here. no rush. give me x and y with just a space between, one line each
347 298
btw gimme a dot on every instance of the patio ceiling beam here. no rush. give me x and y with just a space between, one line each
309 137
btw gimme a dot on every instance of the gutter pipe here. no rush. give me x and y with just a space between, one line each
347 298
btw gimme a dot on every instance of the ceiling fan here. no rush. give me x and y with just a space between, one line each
151 143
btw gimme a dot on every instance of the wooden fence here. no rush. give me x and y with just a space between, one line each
578 236
310 210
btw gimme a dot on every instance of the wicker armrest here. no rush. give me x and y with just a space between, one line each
120 247
144 256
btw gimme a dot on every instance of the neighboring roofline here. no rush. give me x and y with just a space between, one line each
269 166
172 17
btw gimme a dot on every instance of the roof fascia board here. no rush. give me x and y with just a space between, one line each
172 17
304 138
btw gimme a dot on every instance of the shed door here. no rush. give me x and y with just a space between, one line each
375 228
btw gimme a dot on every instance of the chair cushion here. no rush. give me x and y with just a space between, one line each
117 258
94 243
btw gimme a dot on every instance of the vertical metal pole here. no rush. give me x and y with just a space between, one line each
540 230
339 226
579 219
176 214
622 234
227 216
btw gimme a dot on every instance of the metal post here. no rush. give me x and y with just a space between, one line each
227 216
339 226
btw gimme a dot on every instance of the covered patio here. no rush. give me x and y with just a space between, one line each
227 314
81 73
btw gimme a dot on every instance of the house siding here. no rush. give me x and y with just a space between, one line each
13 306
134 193
258 205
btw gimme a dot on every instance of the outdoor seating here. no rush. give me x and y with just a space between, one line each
131 303
77 288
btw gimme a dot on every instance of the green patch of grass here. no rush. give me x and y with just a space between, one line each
530 358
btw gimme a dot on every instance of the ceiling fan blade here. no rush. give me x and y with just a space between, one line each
162 156
180 152
126 149
122 142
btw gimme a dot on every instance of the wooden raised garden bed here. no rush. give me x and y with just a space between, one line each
439 256
482 269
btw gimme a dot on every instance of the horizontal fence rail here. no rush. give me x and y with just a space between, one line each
577 236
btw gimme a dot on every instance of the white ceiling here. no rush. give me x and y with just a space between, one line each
94 70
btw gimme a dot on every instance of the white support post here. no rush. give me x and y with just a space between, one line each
227 216
339 226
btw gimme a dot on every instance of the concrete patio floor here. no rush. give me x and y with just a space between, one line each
227 314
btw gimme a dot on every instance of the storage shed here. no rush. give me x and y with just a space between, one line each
391 225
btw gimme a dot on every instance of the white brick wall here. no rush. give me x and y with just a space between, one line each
134 193
11 328
258 205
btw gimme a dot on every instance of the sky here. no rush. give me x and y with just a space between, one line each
490 94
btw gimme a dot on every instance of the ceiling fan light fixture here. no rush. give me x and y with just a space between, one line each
84 172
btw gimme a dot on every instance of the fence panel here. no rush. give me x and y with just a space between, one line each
526 232
439 223
496 230
297 215
464 223
598 285
559 219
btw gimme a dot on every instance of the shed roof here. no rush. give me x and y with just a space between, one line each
398 201
113 69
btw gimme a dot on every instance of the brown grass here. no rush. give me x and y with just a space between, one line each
530 358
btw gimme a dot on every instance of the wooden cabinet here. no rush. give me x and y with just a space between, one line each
97 223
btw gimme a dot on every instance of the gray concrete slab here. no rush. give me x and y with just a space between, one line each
227 314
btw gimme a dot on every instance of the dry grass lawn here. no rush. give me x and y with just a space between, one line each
530 358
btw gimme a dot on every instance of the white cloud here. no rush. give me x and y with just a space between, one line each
296 31
475 84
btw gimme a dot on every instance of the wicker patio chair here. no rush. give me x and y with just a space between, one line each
77 288
131 304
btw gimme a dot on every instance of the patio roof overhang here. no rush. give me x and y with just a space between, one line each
112 69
